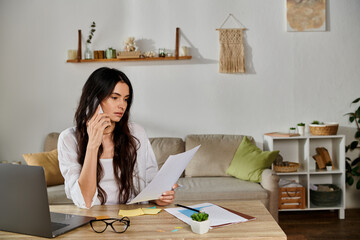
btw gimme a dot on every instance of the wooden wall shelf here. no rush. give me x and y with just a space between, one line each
176 57
130 59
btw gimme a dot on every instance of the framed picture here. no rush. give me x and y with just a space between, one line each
306 15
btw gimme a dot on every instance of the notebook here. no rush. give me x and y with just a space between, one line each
24 204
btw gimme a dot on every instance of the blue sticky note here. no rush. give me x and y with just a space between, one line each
188 212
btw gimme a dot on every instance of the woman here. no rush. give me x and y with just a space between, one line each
105 159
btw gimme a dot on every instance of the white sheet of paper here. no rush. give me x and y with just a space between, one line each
217 215
166 177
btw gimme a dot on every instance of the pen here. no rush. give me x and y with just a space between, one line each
193 209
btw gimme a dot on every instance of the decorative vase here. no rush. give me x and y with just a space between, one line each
88 53
301 130
200 227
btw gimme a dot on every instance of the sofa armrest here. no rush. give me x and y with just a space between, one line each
270 182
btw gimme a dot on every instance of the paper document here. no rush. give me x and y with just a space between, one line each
218 216
167 176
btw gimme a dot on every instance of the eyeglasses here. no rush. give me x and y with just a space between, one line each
118 225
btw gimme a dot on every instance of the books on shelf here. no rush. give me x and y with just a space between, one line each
282 134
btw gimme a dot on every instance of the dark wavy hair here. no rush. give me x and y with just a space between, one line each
98 87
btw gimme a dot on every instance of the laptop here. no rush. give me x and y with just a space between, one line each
24 204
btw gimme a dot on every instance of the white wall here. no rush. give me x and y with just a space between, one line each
293 77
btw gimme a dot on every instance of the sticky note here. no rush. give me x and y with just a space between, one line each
151 211
131 213
139 211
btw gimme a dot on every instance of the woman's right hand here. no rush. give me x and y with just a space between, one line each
96 126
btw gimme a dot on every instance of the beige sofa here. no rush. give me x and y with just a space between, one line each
205 177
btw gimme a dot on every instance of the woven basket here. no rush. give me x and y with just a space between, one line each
293 167
326 129
324 198
292 198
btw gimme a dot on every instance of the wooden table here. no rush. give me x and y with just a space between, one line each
161 226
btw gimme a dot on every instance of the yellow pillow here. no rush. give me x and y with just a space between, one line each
49 161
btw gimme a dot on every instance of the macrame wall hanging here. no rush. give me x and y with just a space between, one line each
232 59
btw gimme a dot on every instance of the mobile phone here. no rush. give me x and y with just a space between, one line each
96 103
100 110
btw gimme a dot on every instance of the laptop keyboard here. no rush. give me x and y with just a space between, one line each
55 226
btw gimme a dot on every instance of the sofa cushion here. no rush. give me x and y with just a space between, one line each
214 156
250 161
164 147
57 196
219 188
49 161
51 141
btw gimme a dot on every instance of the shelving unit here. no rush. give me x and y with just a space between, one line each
301 149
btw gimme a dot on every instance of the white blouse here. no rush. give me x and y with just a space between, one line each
145 168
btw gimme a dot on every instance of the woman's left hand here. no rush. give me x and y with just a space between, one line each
167 197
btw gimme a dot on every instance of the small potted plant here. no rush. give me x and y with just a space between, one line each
200 222
292 130
301 128
328 166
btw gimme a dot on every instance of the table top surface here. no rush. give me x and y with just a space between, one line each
162 225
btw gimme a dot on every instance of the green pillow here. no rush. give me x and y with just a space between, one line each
250 161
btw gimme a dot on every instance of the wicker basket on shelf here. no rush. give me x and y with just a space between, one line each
292 198
326 129
289 167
